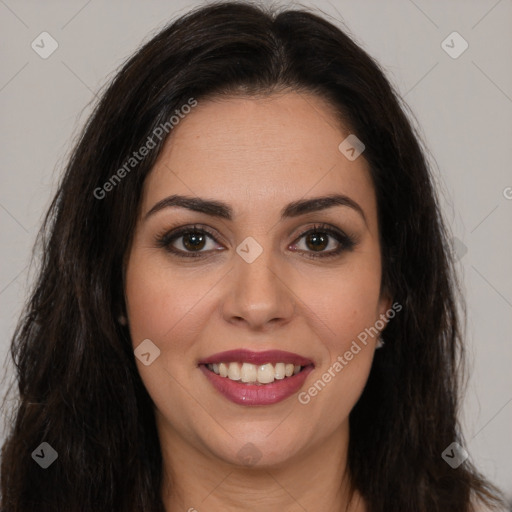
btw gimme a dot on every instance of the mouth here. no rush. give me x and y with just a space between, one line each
259 375
256 378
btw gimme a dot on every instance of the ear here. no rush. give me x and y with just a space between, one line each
385 302
122 320
120 310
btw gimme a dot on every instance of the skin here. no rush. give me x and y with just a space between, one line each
257 155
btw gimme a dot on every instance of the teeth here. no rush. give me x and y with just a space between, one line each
266 373
249 372
234 371
223 370
279 371
255 374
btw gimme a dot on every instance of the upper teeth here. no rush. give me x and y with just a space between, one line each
247 372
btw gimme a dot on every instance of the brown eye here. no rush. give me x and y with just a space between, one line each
317 241
189 241
193 241
322 241
320 238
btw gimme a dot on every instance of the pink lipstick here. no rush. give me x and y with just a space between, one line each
256 378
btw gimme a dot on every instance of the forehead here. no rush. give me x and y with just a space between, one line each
261 151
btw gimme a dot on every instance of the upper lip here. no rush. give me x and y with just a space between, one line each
258 358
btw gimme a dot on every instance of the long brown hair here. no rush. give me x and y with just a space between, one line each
79 389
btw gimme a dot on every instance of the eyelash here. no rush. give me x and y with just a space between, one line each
164 240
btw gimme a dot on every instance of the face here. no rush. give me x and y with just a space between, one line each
263 271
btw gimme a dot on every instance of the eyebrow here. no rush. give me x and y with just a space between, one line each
224 211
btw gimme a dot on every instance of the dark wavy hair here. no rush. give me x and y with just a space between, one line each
79 388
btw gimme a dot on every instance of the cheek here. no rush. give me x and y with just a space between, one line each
344 302
170 311
161 304
343 307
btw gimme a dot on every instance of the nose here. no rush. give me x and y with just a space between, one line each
259 294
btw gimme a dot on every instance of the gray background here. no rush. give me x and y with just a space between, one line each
463 107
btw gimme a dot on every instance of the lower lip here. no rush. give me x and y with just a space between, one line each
252 394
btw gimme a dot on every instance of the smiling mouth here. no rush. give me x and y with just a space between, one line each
254 378
260 375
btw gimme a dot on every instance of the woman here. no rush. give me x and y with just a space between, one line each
246 299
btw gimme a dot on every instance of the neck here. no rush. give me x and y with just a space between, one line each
315 479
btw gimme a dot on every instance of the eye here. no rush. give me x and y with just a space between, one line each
192 241
320 237
187 242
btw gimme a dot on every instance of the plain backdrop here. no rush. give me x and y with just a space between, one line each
463 107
